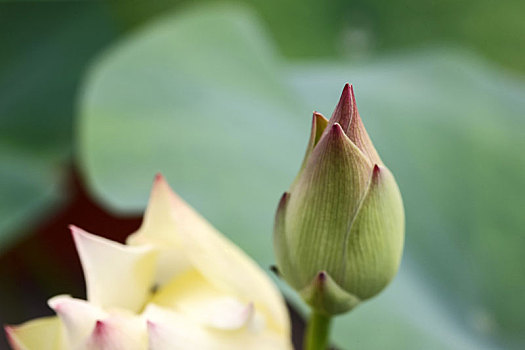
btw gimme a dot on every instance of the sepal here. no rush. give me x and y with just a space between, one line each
282 251
325 296
375 242
319 123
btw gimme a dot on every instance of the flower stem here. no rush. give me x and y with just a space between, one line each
317 332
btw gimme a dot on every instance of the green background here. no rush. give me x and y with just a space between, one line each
218 97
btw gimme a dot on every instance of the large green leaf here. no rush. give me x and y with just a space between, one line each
198 98
202 97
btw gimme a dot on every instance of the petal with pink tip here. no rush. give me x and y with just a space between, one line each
159 224
344 111
39 334
159 230
77 316
117 276
118 333
358 134
347 115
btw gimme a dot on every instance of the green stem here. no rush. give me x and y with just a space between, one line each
317 332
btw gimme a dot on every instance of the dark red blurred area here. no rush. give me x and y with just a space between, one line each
45 263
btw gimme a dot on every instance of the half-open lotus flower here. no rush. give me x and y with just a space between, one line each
339 230
176 284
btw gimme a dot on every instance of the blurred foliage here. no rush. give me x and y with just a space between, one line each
310 28
203 97
45 48
493 28
227 121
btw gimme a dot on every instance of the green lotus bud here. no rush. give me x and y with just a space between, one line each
339 231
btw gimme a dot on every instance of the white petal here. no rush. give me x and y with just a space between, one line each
227 313
159 230
39 334
88 327
170 330
228 267
117 276
161 337
77 316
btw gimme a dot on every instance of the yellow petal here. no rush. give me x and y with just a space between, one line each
227 267
159 230
173 331
117 276
195 297
39 334
159 224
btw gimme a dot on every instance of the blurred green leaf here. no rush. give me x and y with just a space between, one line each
44 50
203 97
357 28
198 97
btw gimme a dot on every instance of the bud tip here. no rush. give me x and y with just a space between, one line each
376 172
346 95
348 89
321 276
282 201
337 129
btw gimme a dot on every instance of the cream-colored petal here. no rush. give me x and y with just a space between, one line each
77 316
159 230
117 333
159 224
39 334
228 313
117 276
228 267
195 297
170 330
161 336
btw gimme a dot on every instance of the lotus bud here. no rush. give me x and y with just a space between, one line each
177 284
339 230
